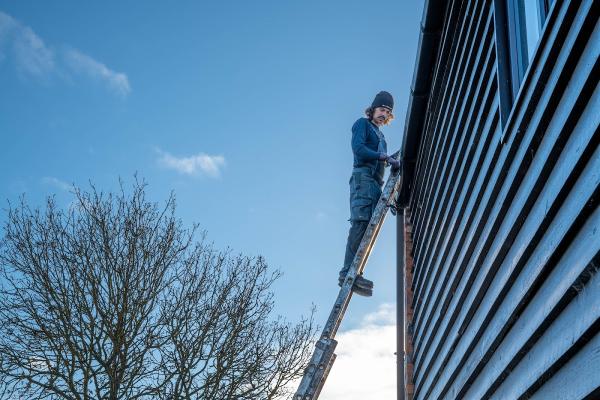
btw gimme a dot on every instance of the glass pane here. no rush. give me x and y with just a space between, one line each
533 25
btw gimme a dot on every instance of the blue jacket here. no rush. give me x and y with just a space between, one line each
366 146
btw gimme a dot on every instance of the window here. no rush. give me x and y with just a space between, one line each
518 26
525 21
532 22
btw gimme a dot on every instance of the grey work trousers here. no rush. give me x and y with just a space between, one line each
364 195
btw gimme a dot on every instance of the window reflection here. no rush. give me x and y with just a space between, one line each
532 24
519 26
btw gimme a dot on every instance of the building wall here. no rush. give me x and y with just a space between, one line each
503 210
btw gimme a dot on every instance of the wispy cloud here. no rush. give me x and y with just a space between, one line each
81 63
34 58
365 367
7 25
199 164
57 183
385 315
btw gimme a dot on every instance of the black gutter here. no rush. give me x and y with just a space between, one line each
427 54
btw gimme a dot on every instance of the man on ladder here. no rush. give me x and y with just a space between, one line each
368 207
370 159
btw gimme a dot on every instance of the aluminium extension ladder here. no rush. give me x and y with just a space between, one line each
323 356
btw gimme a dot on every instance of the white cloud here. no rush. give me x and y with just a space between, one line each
385 315
32 57
7 23
62 185
197 164
365 367
82 63
7 26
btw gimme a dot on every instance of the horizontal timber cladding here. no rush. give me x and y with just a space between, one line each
505 217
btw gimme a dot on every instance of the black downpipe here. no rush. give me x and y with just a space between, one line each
400 356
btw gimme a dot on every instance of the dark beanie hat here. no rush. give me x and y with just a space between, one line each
383 99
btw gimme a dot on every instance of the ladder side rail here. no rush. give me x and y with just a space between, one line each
323 356
317 370
362 254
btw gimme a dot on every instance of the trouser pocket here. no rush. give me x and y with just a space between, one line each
360 210
363 197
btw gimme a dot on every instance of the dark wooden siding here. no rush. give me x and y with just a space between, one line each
505 219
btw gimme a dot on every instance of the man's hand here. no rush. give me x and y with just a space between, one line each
383 156
393 162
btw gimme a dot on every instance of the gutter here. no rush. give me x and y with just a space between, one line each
426 60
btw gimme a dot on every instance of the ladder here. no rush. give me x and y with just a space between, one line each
323 356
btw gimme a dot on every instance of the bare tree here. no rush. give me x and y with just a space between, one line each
115 299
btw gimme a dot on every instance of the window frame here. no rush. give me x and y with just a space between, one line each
511 48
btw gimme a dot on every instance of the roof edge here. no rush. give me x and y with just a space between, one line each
427 54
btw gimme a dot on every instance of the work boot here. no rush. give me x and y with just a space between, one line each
361 286
361 291
363 282
342 277
358 281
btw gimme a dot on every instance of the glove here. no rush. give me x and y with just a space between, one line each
393 162
383 156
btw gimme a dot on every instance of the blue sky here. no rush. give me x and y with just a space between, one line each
243 109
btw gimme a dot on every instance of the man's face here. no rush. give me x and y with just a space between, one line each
380 115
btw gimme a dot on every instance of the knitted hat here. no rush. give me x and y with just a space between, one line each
383 99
